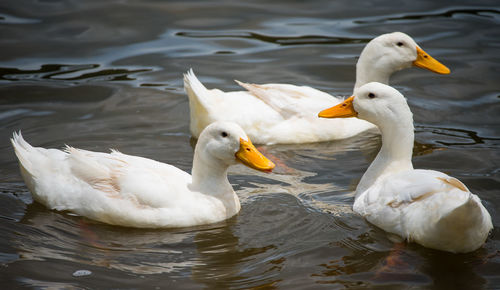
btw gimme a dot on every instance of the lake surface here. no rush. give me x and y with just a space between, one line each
108 74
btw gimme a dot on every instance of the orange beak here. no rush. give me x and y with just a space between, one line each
251 157
342 110
428 62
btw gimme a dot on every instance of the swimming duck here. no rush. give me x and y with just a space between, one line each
133 191
283 113
424 206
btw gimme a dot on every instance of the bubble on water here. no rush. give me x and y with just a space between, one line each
81 273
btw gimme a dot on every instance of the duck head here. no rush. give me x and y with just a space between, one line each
391 52
374 102
226 143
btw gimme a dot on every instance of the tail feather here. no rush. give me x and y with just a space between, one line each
194 88
22 149
199 98
24 152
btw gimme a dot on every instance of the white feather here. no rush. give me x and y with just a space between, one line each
423 206
133 191
283 113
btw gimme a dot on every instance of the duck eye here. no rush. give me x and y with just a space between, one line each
371 95
224 134
400 44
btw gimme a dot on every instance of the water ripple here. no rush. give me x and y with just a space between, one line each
280 40
296 228
471 137
10 19
444 13
67 72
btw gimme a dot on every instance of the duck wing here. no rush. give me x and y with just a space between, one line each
429 207
78 180
207 106
290 100
142 181
269 114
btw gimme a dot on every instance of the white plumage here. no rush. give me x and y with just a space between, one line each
133 191
283 113
425 206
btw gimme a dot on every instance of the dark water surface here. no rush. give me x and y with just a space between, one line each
100 74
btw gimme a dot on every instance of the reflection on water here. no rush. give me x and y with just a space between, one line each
100 74
222 259
403 264
89 244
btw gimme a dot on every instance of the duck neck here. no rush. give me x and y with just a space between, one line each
210 177
370 71
395 154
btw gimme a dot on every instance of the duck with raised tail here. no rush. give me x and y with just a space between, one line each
283 113
424 206
138 192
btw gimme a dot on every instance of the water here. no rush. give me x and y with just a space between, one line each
100 74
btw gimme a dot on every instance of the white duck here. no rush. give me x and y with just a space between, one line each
138 192
282 113
424 206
